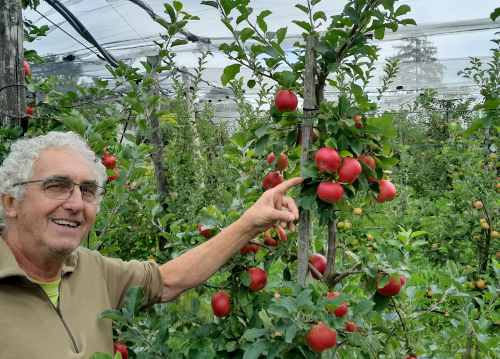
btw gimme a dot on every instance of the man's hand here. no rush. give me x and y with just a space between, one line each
273 206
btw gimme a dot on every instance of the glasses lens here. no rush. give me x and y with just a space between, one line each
91 193
58 188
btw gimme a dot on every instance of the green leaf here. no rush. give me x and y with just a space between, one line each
256 349
473 128
353 14
260 19
381 302
403 9
303 8
74 124
115 315
303 24
133 300
364 307
261 144
101 355
230 73
254 333
178 42
246 33
323 46
495 14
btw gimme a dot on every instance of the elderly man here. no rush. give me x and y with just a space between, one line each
51 289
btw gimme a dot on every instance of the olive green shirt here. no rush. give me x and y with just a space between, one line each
32 327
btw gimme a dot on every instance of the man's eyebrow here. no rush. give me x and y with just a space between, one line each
68 178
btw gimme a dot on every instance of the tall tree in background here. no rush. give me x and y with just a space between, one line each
419 67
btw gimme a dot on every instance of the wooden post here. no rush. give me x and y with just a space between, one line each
307 130
12 94
186 78
158 154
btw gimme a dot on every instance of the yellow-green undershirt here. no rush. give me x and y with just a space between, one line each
51 289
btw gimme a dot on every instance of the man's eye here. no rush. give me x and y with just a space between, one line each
55 184
88 190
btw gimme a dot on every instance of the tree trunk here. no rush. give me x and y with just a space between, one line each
12 94
192 117
306 133
158 154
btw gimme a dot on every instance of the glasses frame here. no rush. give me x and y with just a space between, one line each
45 180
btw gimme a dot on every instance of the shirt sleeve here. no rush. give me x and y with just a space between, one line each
120 276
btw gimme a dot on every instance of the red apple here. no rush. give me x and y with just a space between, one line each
341 310
390 289
318 261
259 278
207 232
387 191
275 235
321 338
368 160
26 68
119 347
327 159
272 180
286 101
112 178
349 170
250 247
221 304
30 110
357 121
330 192
282 163
351 327
109 162
411 358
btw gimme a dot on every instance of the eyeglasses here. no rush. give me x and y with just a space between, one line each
60 188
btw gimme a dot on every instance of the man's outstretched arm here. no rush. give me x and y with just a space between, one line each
199 264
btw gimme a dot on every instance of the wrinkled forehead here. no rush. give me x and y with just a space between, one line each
63 163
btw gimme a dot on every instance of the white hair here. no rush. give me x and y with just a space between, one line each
18 166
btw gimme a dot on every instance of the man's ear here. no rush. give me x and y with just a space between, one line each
8 203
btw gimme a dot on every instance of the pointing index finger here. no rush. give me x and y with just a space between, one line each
285 186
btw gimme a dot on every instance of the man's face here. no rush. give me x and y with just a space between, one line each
56 226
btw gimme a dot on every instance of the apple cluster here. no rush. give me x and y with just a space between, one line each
347 171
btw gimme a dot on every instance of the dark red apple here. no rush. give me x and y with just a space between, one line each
207 232
109 162
370 162
357 121
282 162
112 178
320 337
389 290
286 101
272 180
250 247
341 310
351 327
387 191
327 159
26 68
318 261
30 110
330 192
275 235
349 170
119 347
221 304
259 278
